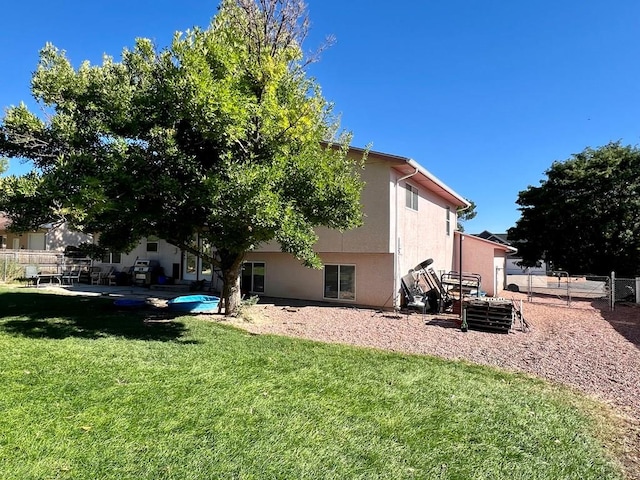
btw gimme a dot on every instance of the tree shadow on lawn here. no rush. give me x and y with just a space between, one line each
53 316
625 319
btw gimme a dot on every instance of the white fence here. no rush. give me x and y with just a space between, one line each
12 262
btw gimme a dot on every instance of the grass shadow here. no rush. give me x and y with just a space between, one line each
37 315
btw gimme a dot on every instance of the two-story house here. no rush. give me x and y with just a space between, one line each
409 216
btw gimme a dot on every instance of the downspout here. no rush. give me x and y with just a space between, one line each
396 253
458 211
462 315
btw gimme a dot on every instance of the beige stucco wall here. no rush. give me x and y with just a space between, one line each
482 257
373 236
286 277
60 236
422 234
417 235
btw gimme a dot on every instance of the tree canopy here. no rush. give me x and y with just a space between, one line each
221 136
465 214
585 217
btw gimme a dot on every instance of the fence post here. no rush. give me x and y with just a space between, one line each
637 289
613 290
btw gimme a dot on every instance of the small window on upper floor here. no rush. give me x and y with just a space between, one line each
448 221
412 197
152 243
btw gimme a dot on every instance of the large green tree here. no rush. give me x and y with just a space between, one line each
222 136
585 217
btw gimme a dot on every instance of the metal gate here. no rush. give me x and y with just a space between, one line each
561 288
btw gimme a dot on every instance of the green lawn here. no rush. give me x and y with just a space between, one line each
87 392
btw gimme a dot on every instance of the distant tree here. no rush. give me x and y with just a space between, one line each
4 165
221 137
585 217
466 214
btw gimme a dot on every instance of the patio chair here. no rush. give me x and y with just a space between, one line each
31 273
112 278
94 275
70 276
104 276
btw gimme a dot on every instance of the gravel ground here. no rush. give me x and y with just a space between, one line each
594 350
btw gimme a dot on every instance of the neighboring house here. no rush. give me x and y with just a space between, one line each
409 216
175 263
513 259
47 237
488 258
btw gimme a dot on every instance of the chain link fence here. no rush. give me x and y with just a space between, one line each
562 288
625 290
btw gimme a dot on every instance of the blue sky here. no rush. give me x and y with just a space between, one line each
485 95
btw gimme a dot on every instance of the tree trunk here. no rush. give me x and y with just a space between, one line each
231 289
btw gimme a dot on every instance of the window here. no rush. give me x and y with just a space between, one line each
340 282
206 268
412 197
448 221
3 241
252 277
152 243
112 257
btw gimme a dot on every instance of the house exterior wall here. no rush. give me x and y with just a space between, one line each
484 258
388 225
166 255
286 277
422 234
373 236
60 236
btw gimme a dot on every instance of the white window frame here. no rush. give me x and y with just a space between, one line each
448 222
324 282
253 275
110 257
412 197
153 240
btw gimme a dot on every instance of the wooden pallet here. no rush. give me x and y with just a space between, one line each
495 316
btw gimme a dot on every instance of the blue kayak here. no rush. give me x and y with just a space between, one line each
195 304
